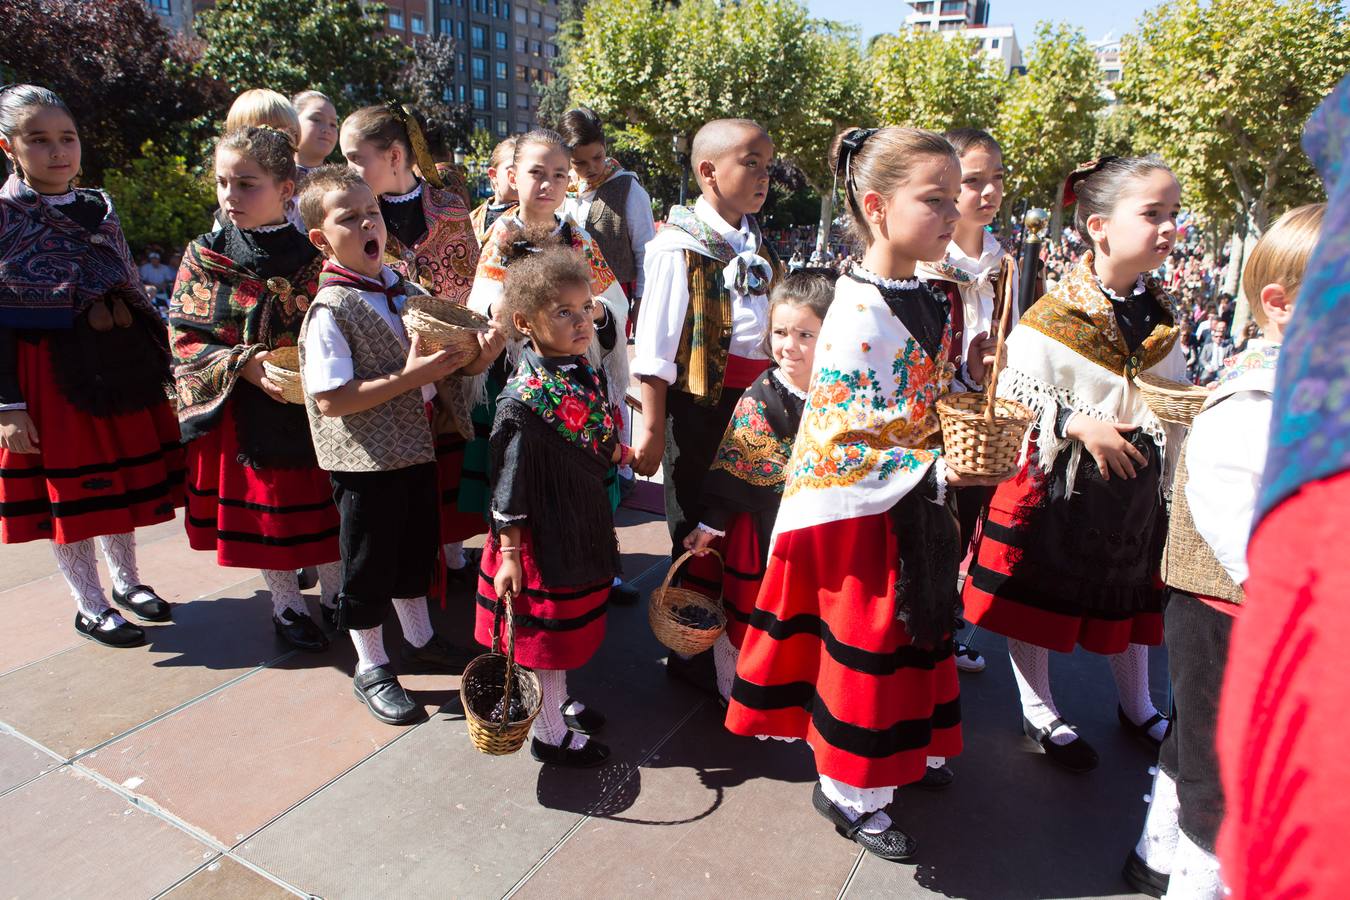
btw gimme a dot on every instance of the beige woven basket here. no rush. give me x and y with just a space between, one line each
443 324
494 679
282 367
1188 563
1171 401
982 434
666 625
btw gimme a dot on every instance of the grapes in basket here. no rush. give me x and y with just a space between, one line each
691 616
518 712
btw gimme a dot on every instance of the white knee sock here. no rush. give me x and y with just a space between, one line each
1031 667
1195 874
120 552
454 555
330 583
77 563
725 655
549 726
858 802
369 643
414 619
1130 669
285 589
1157 845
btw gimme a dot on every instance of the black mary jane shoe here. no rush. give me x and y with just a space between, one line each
588 757
1139 876
152 608
329 615
386 699
300 631
437 657
1142 731
124 635
467 574
623 594
588 721
936 778
892 844
1077 755
307 577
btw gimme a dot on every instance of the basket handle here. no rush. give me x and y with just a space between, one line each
675 566
1009 298
505 610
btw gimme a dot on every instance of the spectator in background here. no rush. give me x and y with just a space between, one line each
1249 331
156 273
1213 353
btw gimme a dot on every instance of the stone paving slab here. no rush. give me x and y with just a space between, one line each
20 761
227 879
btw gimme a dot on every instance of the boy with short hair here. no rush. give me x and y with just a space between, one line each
367 387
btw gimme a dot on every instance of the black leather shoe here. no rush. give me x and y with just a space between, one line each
307 577
124 635
152 608
1139 876
589 721
624 595
892 844
1141 731
467 574
330 616
438 656
936 778
588 757
1076 756
386 699
300 631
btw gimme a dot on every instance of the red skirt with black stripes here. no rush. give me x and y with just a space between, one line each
824 658
738 578
456 525
557 627
264 518
93 475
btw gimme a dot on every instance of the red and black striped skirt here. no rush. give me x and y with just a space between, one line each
557 626
93 475
263 518
824 658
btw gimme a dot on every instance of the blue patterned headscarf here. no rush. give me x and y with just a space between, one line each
1310 430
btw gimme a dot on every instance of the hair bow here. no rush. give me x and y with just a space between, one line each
1069 195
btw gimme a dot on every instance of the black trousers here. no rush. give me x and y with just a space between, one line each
693 434
1197 654
390 529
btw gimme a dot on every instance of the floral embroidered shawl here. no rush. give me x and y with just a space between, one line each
749 470
575 407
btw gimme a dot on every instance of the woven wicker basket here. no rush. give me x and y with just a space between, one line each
494 678
1188 563
282 367
666 625
981 434
443 324
1171 401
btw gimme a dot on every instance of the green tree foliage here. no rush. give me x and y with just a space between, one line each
1222 90
160 200
928 80
335 46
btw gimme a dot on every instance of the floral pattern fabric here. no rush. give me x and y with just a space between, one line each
445 259
569 397
757 446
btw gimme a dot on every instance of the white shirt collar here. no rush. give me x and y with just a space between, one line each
404 198
737 237
990 253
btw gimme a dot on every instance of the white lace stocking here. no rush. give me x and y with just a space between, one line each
284 586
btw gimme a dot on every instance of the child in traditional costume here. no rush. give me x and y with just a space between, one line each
745 485
1217 484
503 192
89 444
430 242
849 646
318 130
256 496
553 549
367 388
268 109
1070 548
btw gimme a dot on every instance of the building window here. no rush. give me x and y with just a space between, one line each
480 123
538 19
993 43
953 6
447 94
480 98
536 49
522 73
502 40
951 25
459 30
522 127
163 7
480 68
923 9
501 70
459 89
395 20
479 37
921 26
523 101
550 24
503 100
419 25
459 58
520 43
522 15
446 27
503 127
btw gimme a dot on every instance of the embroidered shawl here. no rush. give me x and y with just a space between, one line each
51 268
870 429
1068 351
575 407
445 259
579 187
220 315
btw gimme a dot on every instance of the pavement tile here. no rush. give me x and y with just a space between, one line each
66 835
20 761
227 879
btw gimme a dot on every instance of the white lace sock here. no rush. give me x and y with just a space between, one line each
1031 667
936 762
414 619
120 552
1195 874
284 586
725 655
77 563
1157 845
369 644
330 583
1130 669
549 726
454 555
858 802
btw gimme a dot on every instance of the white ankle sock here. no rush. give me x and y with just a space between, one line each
454 555
1130 669
1031 667
369 644
549 726
77 563
1157 845
414 619
936 762
285 589
120 552
858 802
725 656
1195 873
330 583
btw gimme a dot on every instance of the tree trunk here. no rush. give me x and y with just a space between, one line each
826 221
1241 309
